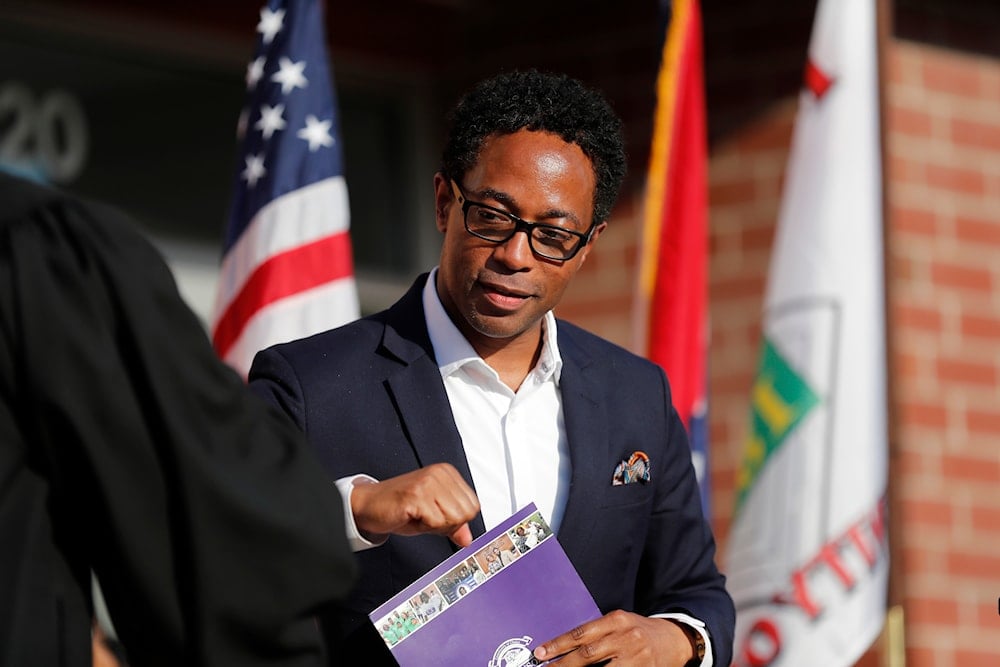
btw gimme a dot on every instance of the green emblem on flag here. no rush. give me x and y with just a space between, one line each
780 398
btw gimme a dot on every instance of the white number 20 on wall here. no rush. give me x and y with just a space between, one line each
44 136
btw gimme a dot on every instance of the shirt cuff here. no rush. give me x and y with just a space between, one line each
708 661
346 487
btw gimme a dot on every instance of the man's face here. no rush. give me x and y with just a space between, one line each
497 293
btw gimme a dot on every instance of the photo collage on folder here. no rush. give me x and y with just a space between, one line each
436 599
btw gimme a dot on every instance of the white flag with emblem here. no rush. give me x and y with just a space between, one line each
807 557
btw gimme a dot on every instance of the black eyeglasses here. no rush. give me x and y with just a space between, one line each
493 224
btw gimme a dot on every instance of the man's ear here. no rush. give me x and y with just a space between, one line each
443 200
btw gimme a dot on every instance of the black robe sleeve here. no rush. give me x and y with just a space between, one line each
127 448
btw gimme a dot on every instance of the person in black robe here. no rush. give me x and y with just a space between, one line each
128 449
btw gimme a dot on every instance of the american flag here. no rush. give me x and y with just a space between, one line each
286 269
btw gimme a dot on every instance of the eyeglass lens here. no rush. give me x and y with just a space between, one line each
546 240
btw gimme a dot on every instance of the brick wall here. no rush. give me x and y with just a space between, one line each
943 122
744 193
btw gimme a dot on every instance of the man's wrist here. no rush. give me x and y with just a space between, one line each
696 640
358 539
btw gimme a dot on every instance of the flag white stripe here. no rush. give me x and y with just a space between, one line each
294 219
296 316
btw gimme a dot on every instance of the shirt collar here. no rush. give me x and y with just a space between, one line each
453 351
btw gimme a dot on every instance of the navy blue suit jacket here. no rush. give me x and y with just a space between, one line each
371 399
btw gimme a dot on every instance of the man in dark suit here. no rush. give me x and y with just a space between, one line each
128 449
467 399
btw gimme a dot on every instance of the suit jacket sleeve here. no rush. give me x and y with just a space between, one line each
641 547
678 561
213 531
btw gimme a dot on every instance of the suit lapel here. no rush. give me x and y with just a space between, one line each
586 433
418 392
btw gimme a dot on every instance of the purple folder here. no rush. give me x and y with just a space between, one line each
490 604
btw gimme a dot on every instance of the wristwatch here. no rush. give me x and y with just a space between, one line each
697 644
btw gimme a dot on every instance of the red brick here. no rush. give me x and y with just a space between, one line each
981 326
986 520
978 231
752 335
982 566
989 616
915 317
926 512
906 170
739 191
605 307
952 76
983 136
934 611
899 64
980 422
718 240
967 372
961 277
757 238
909 121
956 179
906 365
914 463
973 657
901 268
971 469
773 134
922 657
721 525
718 430
741 287
930 415
631 255
914 221
916 561
739 383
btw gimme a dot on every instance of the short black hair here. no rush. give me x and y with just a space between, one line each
544 102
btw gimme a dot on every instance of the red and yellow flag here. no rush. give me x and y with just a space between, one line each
673 273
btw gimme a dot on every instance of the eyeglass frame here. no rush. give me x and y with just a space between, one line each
520 224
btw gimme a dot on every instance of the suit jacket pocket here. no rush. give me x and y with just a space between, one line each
635 493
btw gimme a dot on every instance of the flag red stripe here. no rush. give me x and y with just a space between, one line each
281 276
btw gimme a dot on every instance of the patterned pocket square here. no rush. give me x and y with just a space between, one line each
634 469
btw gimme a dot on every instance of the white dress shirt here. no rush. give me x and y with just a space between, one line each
515 442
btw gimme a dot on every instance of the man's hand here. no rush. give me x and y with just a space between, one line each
434 499
625 638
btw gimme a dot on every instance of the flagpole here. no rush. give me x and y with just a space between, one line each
894 636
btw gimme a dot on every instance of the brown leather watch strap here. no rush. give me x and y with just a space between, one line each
697 644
